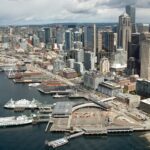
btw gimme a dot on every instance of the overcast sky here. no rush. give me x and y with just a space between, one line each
51 11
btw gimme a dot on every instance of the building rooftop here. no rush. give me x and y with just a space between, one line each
68 70
124 15
110 85
146 101
126 96
144 80
63 108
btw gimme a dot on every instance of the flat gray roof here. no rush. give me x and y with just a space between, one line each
62 108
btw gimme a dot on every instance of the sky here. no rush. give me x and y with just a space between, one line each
58 11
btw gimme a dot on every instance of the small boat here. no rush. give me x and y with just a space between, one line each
34 84
58 96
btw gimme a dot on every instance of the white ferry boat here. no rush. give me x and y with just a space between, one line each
23 103
34 84
57 143
58 96
15 121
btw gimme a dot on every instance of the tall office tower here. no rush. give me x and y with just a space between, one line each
135 46
124 32
90 38
60 36
77 36
41 35
145 59
95 39
68 40
142 28
144 36
89 60
131 11
134 52
131 66
99 41
109 41
77 55
47 35
36 41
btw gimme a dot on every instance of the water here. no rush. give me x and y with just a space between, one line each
33 137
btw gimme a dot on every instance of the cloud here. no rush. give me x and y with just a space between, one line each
49 11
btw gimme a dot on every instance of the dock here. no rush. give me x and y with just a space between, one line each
64 140
55 92
42 118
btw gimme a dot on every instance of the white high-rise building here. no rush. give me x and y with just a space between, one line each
145 59
124 31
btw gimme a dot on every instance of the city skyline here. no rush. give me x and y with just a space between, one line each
13 12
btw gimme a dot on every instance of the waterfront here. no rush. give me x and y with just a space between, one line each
33 137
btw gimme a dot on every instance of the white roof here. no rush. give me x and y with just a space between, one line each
146 101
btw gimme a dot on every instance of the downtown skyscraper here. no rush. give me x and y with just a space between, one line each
124 31
131 11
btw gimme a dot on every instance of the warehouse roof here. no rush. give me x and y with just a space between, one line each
63 108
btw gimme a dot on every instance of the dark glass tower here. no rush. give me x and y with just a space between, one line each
131 11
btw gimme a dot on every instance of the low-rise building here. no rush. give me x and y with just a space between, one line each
145 105
122 81
62 109
132 101
69 73
130 87
134 78
109 88
92 80
143 87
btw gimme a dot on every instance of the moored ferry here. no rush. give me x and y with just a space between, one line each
23 103
15 121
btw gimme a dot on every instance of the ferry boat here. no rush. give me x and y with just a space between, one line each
58 96
57 143
15 121
23 103
34 84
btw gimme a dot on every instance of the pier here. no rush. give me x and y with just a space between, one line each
42 118
63 141
45 108
120 130
55 92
